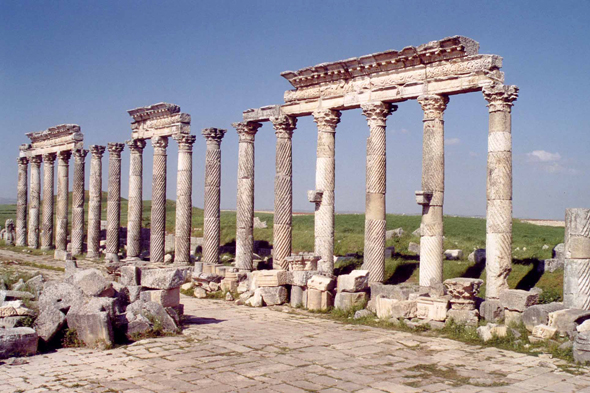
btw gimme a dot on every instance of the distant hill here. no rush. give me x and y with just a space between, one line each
7 201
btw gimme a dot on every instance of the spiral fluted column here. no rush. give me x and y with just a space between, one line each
21 202
94 202
433 183
245 204
284 126
114 201
375 220
135 205
499 188
48 189
184 201
34 205
78 202
63 182
158 214
326 119
211 225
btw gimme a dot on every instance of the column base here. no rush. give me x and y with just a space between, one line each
111 257
62 255
92 255
45 248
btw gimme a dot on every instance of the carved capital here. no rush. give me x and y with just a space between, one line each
500 97
64 156
213 134
22 161
185 141
160 143
247 130
377 112
326 119
36 160
97 150
115 149
80 155
49 158
136 145
433 106
284 125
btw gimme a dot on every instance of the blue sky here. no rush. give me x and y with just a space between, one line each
88 62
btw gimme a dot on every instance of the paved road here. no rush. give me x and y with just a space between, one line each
227 348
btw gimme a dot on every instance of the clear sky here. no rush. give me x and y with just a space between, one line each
87 62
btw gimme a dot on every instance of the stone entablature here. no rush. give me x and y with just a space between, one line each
55 139
162 119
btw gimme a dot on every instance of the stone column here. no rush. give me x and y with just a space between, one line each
499 188
48 178
576 275
94 202
433 188
326 119
114 201
63 183
158 214
34 211
245 206
21 202
184 201
375 221
135 205
284 126
211 225
78 202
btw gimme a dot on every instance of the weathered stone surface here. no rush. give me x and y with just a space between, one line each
92 321
19 285
256 299
229 285
490 330
300 277
393 308
582 347
414 248
478 256
151 311
543 331
130 275
16 295
356 281
463 292
398 292
363 314
389 252
21 341
558 252
59 295
35 284
512 317
165 297
434 309
517 299
200 293
393 233
539 314
10 322
271 278
464 316
453 255
567 320
491 310
92 283
49 322
319 300
163 278
273 296
298 296
321 283
348 300
584 326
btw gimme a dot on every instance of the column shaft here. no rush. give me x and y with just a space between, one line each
78 202
114 201
34 206
184 201
158 213
21 202
576 274
95 201
135 204
499 188
61 233
48 179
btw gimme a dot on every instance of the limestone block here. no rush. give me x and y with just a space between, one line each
517 299
363 314
398 292
300 277
208 268
543 331
188 286
16 295
21 341
198 268
256 299
434 309
466 317
584 326
200 293
130 275
271 278
393 233
478 256
463 292
453 255
551 265
163 278
539 314
36 284
582 347
319 300
229 285
151 311
491 330
321 283
348 300
576 283
558 252
165 297
567 320
491 310
92 321
133 292
389 252
49 322
62 255
298 296
356 281
393 308
59 295
273 296
512 317
414 247
92 283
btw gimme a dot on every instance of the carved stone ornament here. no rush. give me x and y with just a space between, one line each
247 130
500 97
327 119
284 125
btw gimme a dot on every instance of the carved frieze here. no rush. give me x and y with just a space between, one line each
162 119
63 137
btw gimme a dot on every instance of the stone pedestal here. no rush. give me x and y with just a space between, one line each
158 214
34 205
61 233
78 202
114 201
135 205
94 201
21 202
245 204
326 120
211 224
284 126
433 185
184 205
576 275
374 256
499 188
48 178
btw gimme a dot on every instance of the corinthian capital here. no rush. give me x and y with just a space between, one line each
80 155
97 151
326 119
213 134
115 148
433 106
36 160
160 142
247 130
136 145
500 97
185 141
284 125
22 161
377 112
49 158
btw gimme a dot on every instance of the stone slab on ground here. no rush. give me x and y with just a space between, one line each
21 341
539 314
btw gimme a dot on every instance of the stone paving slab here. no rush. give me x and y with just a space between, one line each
226 348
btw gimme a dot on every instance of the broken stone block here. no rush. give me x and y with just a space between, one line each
213 286
551 265
363 314
163 278
165 297
92 322
188 286
356 281
512 317
393 308
584 326
434 309
543 331
319 300
59 295
35 284
21 341
490 330
463 292
453 255
349 300
393 233
229 285
558 252
465 317
273 296
300 277
414 247
567 320
152 312
130 275
390 291
298 296
539 314
229 297
92 283
581 347
491 310
49 322
321 283
256 299
478 256
271 278
10 322
200 293
389 252
18 295
517 299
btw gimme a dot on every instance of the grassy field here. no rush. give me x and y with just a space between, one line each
460 233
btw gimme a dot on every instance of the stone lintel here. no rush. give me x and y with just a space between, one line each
162 119
155 111
261 114
315 196
55 139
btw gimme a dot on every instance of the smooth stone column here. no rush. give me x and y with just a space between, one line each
94 202
211 224
158 214
21 202
375 220
326 119
499 188
114 201
433 183
78 202
48 188
245 204
63 183
135 205
576 274
184 201
284 126
33 240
